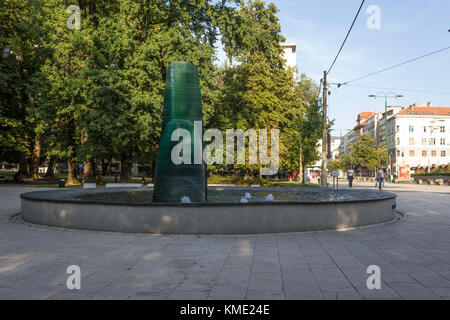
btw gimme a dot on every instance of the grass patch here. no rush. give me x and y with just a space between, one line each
237 180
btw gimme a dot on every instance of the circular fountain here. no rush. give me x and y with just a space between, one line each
292 210
181 202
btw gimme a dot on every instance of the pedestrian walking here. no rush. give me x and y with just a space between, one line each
350 176
380 178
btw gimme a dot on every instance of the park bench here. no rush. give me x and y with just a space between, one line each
89 185
124 185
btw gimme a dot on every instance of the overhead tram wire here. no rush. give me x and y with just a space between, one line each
345 40
346 37
392 67
324 103
392 89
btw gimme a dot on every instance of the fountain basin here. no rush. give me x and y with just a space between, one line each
294 210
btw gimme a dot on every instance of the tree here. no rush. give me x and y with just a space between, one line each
334 165
258 90
305 129
96 93
365 153
342 163
20 58
101 88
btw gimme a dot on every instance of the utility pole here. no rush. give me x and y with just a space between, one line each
386 95
324 132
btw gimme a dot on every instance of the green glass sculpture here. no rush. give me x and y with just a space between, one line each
182 107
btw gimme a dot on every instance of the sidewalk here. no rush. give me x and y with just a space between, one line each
413 255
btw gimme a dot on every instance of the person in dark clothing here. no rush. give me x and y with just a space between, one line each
350 176
18 178
380 178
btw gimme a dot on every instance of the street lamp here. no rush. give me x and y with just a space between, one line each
386 95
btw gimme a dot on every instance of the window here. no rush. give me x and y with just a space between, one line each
411 141
424 141
433 153
403 154
443 153
424 153
411 153
398 153
398 141
432 141
424 128
442 141
411 128
442 129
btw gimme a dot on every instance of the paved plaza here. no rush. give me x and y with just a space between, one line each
413 255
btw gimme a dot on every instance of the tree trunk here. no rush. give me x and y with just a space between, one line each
88 172
105 165
125 172
23 165
72 173
36 157
153 166
51 167
94 168
300 165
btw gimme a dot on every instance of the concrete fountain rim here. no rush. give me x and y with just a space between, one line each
69 196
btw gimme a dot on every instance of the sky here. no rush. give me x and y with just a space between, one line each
408 29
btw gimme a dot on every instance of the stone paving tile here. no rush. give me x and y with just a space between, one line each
70 295
265 284
349 294
385 293
442 291
265 295
413 291
412 254
228 292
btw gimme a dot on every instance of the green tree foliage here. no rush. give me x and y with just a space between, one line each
306 128
19 59
101 88
365 153
342 163
258 90
96 92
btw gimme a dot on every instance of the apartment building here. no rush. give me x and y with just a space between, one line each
418 137
290 54
365 121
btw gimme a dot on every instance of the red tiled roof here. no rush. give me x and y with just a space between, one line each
366 115
432 111
363 117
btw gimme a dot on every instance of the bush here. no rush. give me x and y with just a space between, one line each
435 172
240 181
